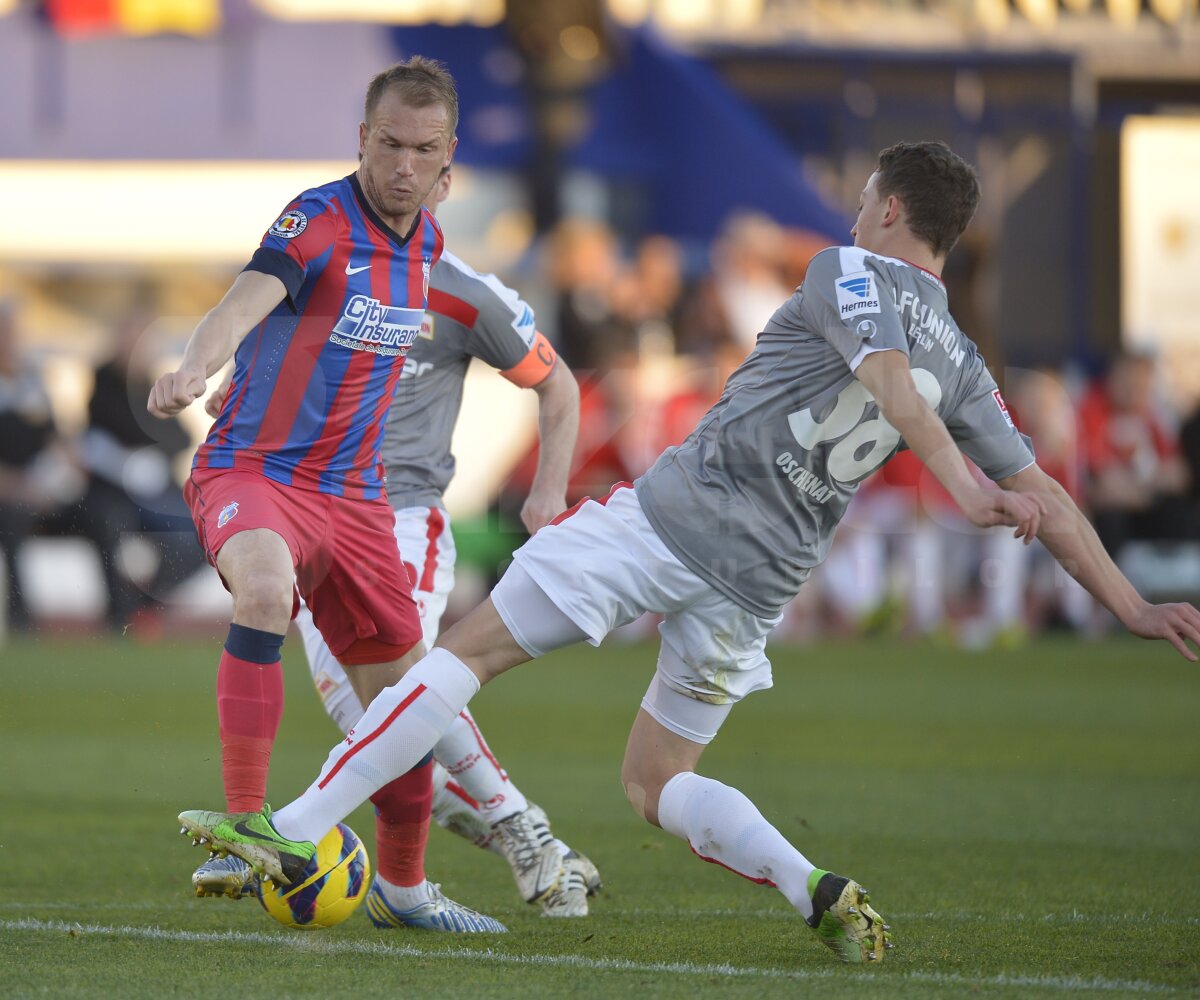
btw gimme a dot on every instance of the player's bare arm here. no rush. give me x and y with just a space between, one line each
251 297
1070 538
887 376
558 428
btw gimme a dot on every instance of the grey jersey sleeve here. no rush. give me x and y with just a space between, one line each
505 330
983 429
847 299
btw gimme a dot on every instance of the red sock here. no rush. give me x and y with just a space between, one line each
249 707
402 810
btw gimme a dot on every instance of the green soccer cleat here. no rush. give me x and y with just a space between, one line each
844 921
251 837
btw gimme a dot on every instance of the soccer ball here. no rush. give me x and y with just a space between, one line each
332 886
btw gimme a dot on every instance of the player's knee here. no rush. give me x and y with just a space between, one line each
641 790
635 795
263 600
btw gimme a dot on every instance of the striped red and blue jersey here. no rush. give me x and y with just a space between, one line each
313 382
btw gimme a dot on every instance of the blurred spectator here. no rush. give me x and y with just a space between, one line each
1024 588
1189 441
36 475
699 388
889 565
1136 477
584 269
649 294
748 262
132 489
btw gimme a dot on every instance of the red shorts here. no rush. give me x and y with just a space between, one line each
344 552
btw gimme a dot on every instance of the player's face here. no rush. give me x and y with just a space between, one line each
871 211
403 150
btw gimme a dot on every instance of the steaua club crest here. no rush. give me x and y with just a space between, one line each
228 513
290 225
426 264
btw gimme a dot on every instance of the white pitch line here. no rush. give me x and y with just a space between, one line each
935 916
331 946
1147 919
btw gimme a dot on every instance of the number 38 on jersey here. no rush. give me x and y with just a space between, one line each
862 445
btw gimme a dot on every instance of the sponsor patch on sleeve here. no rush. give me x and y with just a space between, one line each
290 225
856 293
1003 407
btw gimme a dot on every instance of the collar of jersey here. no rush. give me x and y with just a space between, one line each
924 270
376 221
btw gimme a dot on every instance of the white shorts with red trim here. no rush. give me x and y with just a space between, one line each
602 566
427 548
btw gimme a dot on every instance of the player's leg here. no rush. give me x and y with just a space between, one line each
397 730
482 788
247 535
257 566
401 895
254 565
402 724
698 679
479 802
402 806
474 795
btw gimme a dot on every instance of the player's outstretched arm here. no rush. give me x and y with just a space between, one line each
887 376
251 297
1066 532
558 428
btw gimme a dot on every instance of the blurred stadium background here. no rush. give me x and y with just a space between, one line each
653 175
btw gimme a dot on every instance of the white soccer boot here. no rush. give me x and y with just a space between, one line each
229 876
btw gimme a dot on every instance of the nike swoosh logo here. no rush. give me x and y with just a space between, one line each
245 831
355 270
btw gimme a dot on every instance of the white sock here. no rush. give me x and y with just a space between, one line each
465 755
723 825
397 730
404 897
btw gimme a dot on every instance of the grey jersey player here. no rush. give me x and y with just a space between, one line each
723 530
470 315
751 500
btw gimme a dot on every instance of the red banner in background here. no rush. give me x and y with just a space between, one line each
133 17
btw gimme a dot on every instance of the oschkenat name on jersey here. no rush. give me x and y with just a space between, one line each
367 324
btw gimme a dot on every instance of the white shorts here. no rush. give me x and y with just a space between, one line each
427 549
604 566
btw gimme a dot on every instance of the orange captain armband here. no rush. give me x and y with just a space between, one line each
535 366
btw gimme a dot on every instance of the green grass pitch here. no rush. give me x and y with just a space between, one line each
1029 824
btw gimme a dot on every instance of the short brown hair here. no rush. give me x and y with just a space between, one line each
420 83
938 188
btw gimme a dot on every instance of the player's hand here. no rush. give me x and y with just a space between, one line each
539 510
174 391
216 399
1177 623
1024 511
